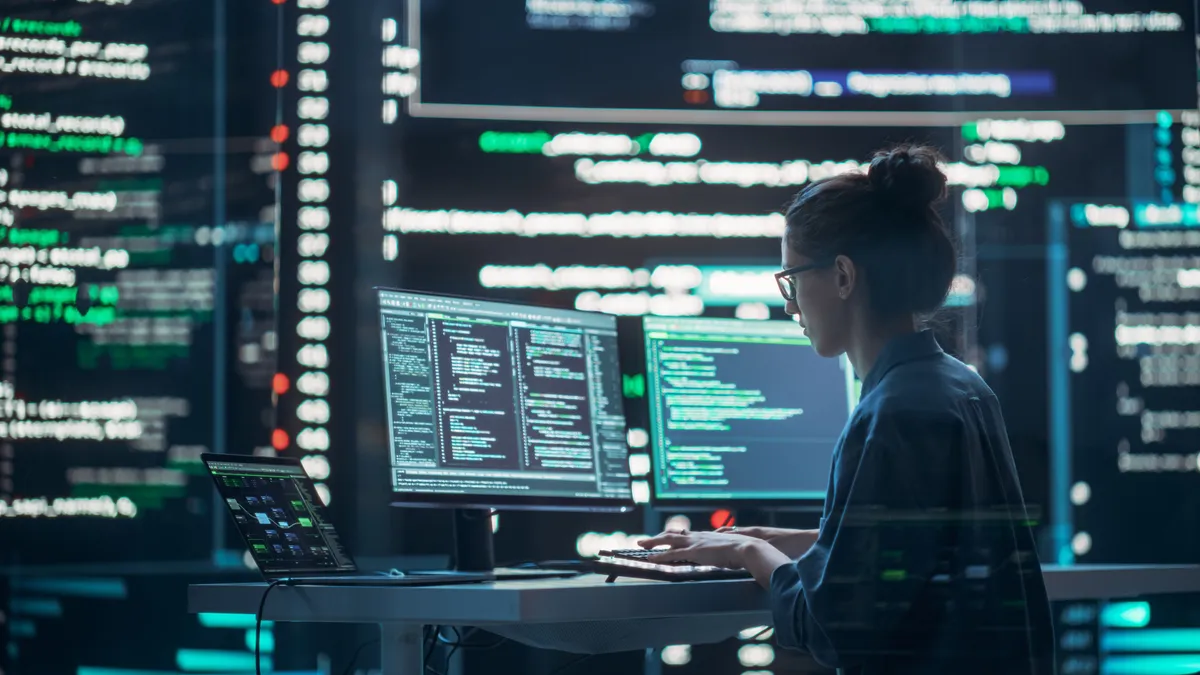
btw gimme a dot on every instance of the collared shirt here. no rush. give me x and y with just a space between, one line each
925 561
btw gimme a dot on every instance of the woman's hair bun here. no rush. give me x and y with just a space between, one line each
908 176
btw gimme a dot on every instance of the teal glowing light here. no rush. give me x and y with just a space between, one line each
730 285
218 661
22 628
109 589
96 670
92 670
266 641
228 558
1146 214
47 608
215 620
1125 615
1158 664
1152 640
1164 119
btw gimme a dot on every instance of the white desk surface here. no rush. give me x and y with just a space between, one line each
588 599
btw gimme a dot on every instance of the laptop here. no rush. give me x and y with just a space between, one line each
279 513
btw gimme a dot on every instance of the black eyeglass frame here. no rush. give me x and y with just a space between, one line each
786 281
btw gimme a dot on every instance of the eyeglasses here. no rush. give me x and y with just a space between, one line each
787 278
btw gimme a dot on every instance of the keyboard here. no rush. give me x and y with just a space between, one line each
639 554
633 563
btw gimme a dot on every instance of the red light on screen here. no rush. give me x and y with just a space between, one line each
279 79
280 383
278 2
721 518
279 161
279 133
695 96
279 439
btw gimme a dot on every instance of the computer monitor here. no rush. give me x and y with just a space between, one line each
279 515
493 404
741 412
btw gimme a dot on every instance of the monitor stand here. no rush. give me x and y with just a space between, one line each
474 552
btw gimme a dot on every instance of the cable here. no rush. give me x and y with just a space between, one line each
450 654
760 633
453 645
431 642
258 624
461 643
354 659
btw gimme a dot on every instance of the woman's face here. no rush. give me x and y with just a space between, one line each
819 306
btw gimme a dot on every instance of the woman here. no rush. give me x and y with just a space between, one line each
924 561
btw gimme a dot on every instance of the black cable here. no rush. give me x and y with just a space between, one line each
431 642
458 637
258 625
450 654
760 633
461 643
354 659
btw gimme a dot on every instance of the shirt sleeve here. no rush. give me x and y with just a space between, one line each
843 601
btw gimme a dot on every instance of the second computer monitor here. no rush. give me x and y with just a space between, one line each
742 411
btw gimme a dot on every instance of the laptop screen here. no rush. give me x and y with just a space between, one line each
276 508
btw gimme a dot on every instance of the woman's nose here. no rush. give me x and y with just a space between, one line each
792 308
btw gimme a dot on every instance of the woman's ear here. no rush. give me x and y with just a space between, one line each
846 276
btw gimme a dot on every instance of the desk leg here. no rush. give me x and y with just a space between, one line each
401 649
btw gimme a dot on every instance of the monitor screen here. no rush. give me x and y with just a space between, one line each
780 63
279 514
742 410
496 404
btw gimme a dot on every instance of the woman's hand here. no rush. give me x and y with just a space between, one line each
733 550
720 549
793 543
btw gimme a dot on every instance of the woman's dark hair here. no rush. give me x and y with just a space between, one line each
886 221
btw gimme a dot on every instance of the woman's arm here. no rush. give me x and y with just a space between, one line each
844 601
761 559
793 543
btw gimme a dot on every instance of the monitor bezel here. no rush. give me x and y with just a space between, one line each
509 502
671 504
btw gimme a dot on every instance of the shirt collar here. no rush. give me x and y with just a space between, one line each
900 350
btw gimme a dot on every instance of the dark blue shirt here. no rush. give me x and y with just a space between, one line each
925 561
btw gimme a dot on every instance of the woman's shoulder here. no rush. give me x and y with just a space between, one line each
936 397
938 382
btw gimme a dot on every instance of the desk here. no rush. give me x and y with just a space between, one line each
586 616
